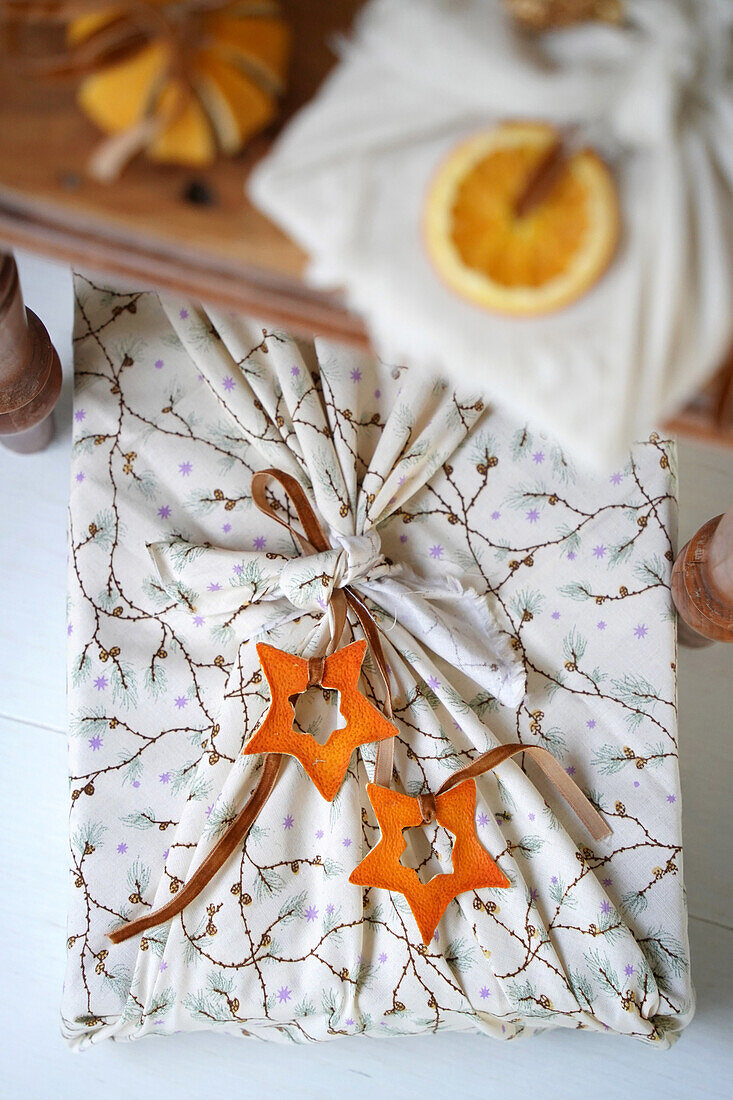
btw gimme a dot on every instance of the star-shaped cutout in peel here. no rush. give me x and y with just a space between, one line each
287 675
473 868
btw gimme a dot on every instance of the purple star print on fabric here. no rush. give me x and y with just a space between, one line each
496 515
183 314
164 777
484 992
601 624
122 848
356 375
164 511
533 515
209 810
101 683
434 683
295 371
228 383
538 457
599 551
629 970
185 468
616 479
591 723
403 538
163 966
311 913
570 770
483 819
237 569
284 994
159 364
80 476
671 798
319 834
608 882
198 620
226 528
605 907
346 842
436 552
330 909
383 957
556 614
181 702
260 542
214 586
349 1022
95 743
79 415
534 894
531 817
641 631
571 555
288 822
69 629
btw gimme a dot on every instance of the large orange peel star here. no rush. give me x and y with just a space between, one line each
288 675
473 867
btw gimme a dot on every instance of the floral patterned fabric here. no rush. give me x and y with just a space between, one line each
461 529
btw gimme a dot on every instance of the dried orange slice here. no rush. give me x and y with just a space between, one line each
208 80
514 264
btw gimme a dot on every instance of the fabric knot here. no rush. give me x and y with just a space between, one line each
308 581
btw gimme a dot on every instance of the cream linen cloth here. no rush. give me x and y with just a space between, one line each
492 567
348 180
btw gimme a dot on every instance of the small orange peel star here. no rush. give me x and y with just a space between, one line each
473 867
288 675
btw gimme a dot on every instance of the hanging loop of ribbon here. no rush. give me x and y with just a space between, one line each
561 781
312 540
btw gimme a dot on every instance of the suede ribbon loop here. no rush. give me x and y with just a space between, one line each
312 541
554 771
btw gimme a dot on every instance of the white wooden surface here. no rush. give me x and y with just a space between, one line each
34 1062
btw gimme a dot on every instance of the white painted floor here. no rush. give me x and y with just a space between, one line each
34 1063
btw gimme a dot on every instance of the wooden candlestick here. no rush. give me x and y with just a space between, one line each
30 371
702 584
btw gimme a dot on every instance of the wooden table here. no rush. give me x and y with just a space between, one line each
143 230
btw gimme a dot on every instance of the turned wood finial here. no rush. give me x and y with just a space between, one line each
30 371
702 583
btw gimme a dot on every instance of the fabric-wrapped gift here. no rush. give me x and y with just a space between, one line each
516 601
350 176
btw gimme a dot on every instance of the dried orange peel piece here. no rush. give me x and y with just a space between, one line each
529 264
473 867
287 675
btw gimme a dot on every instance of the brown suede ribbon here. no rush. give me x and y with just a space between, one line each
313 540
554 771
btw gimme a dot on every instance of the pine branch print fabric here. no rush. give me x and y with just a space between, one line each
516 598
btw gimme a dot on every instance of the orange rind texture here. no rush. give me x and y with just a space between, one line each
473 867
287 675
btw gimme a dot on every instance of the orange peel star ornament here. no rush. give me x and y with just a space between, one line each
289 675
473 867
